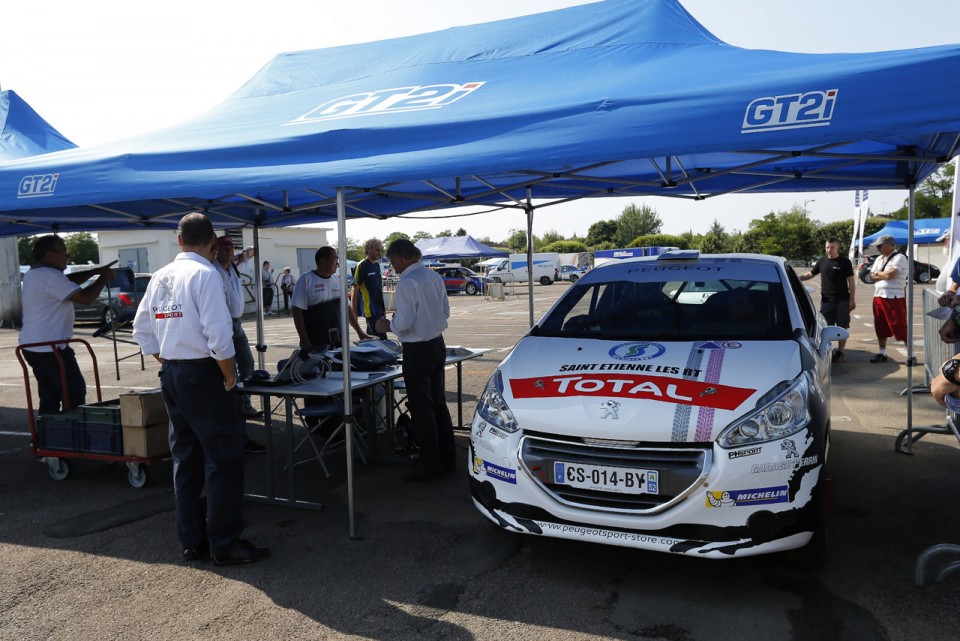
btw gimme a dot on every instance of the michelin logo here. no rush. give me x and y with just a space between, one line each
790 111
386 101
741 498
494 471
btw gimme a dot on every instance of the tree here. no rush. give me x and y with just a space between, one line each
355 250
602 231
420 234
933 198
660 240
565 247
517 241
394 236
550 237
461 232
25 249
791 234
446 233
82 247
636 221
715 241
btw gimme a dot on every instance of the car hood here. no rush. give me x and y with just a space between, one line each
641 390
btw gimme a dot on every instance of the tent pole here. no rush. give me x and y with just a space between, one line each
910 359
345 354
529 209
258 295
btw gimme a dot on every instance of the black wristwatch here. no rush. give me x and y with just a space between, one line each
949 370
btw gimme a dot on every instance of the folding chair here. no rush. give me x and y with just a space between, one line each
329 410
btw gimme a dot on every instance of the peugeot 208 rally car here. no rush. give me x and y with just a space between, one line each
678 403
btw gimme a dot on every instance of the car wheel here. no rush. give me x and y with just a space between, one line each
814 554
545 280
471 289
923 277
108 315
867 278
573 278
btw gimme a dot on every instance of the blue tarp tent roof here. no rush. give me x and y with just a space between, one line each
614 98
456 247
925 231
23 132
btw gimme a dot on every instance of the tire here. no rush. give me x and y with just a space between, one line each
58 468
137 475
574 278
108 315
923 277
867 278
545 280
471 289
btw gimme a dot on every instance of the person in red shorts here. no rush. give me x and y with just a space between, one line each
889 272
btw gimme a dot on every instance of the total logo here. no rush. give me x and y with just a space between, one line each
637 351
790 111
385 101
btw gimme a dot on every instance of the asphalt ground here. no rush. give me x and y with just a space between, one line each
90 557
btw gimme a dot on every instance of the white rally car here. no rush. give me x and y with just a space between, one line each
678 403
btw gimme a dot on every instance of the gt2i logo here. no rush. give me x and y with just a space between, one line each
790 111
385 101
637 351
35 186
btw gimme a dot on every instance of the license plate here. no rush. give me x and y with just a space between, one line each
623 480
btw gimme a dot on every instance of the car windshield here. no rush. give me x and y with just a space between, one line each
718 309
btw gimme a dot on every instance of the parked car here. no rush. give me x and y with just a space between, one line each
629 417
922 272
123 296
462 279
571 272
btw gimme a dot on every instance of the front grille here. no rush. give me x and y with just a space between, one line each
681 470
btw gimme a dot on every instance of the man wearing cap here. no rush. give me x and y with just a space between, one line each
837 289
183 321
241 345
889 273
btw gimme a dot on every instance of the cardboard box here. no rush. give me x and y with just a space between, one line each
140 409
152 440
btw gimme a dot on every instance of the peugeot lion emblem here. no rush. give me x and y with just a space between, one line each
610 409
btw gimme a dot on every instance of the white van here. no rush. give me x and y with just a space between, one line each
546 268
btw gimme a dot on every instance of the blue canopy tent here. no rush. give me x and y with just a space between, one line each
926 231
614 98
456 247
22 133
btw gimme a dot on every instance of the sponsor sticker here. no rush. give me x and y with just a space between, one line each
494 471
636 386
750 451
36 186
637 351
789 464
388 101
744 498
790 111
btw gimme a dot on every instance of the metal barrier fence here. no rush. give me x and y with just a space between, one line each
935 351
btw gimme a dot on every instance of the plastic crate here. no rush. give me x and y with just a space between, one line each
102 438
58 433
102 412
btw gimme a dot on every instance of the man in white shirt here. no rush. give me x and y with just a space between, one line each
422 310
889 273
183 321
48 298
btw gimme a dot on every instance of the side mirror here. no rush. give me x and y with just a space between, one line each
830 335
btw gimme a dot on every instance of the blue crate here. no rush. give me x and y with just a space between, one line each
102 438
102 412
58 433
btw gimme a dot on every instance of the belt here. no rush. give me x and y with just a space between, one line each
187 360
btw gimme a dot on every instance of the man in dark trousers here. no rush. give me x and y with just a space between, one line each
183 321
48 298
367 298
422 310
837 290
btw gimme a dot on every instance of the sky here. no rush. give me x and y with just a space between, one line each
106 70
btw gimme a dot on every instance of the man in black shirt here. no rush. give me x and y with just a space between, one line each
837 289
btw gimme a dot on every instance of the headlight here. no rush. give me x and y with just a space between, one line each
493 408
784 415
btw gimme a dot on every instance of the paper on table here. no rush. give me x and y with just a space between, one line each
941 313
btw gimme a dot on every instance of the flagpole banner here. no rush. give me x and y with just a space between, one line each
856 227
955 220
